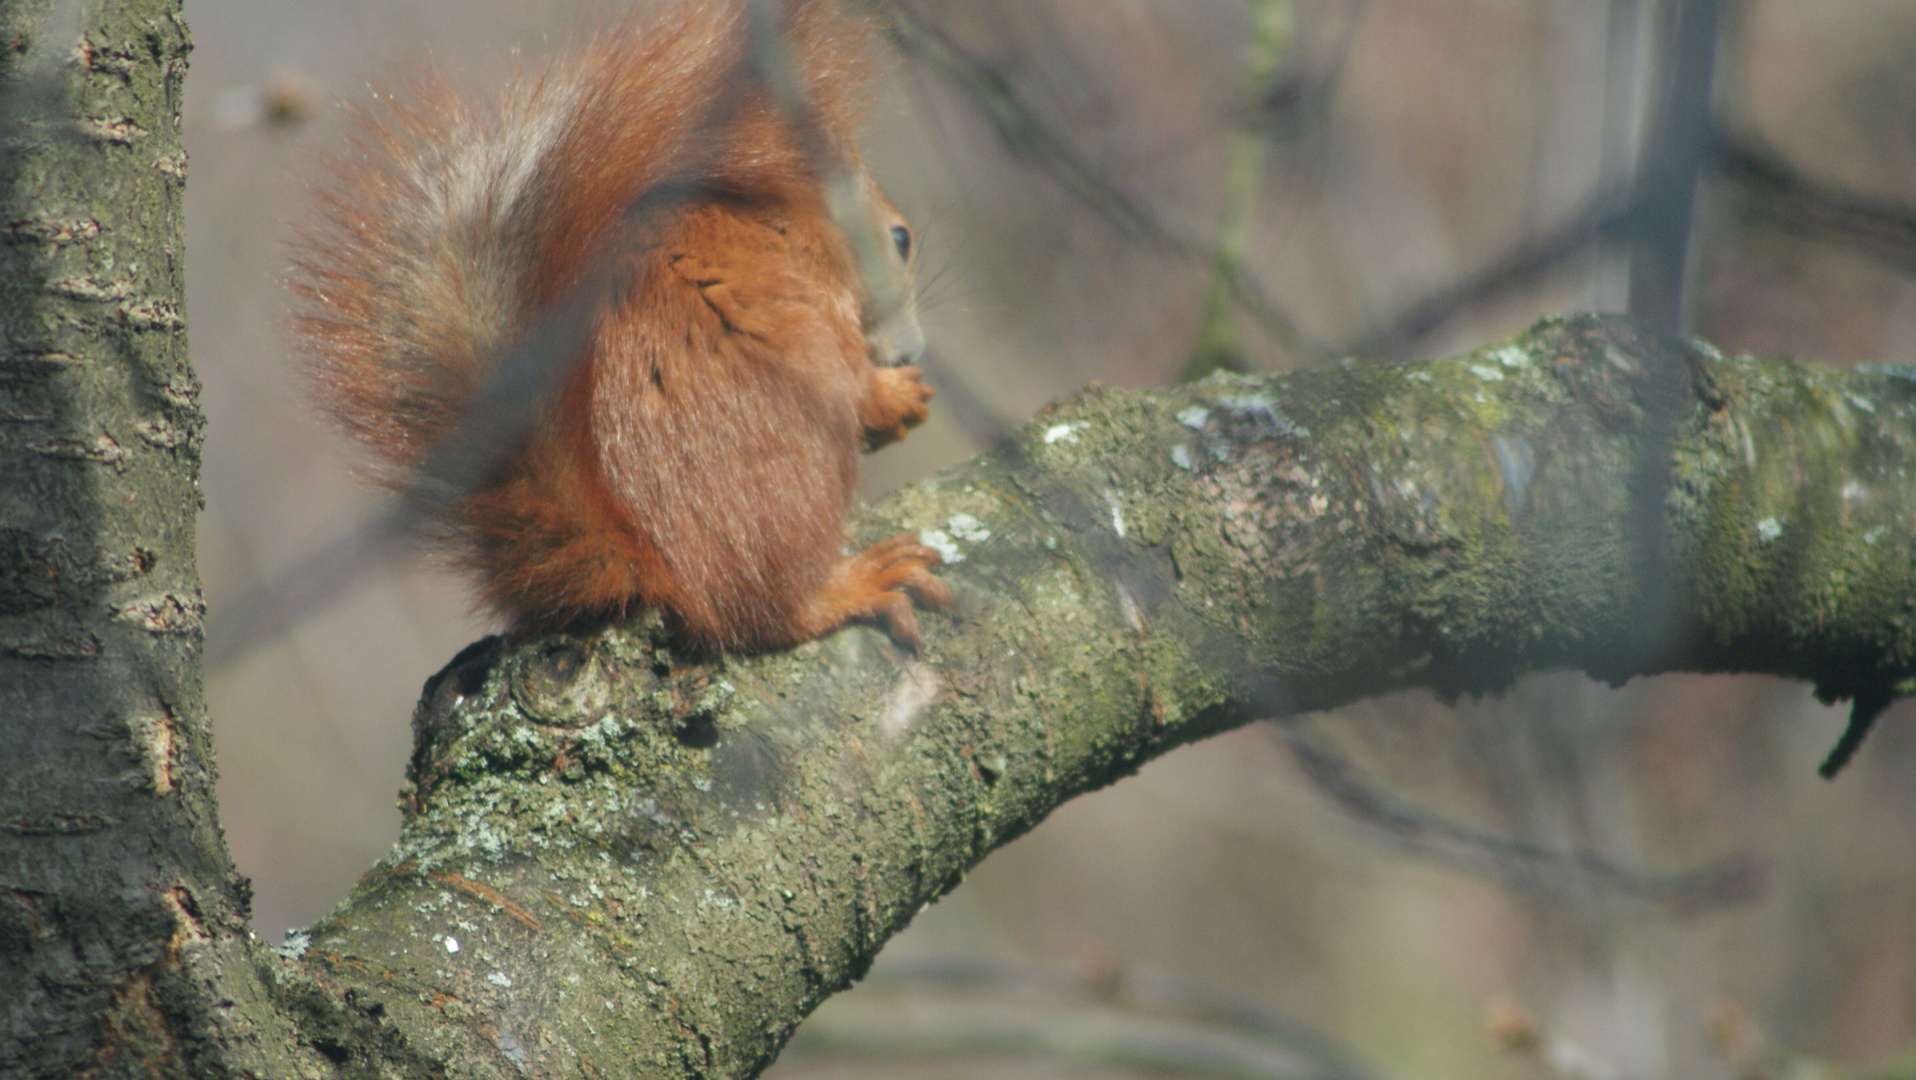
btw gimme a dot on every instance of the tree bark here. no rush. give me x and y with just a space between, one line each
622 860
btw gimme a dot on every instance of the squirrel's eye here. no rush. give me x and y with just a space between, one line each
901 237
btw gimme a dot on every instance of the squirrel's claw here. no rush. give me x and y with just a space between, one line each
878 584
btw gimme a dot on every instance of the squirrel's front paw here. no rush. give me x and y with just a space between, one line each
895 402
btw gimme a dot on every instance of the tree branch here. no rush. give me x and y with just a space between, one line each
617 860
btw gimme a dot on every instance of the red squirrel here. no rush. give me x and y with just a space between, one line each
702 452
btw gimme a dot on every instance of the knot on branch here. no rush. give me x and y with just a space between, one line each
562 706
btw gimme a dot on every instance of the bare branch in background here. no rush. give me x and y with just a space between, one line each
1100 1013
1653 216
1034 140
1780 192
1511 862
1651 211
989 429
1785 196
315 583
1604 217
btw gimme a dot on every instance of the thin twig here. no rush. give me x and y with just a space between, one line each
1217 341
1786 196
1606 216
1864 709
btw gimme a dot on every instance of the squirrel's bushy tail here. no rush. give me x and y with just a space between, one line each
447 227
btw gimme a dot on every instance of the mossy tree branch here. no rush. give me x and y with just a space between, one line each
620 861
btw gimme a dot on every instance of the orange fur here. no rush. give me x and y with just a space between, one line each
702 454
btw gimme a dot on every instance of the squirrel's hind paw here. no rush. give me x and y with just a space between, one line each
878 584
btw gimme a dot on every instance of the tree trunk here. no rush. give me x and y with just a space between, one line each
619 860
124 948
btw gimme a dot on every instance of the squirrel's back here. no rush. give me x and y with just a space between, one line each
701 453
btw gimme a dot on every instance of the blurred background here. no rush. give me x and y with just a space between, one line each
1571 880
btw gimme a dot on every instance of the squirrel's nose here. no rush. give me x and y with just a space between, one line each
897 341
907 340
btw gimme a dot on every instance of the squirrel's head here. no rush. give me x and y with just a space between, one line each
891 298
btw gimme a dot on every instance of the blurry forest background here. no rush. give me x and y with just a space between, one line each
1572 880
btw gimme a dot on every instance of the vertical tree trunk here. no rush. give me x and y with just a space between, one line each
120 912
